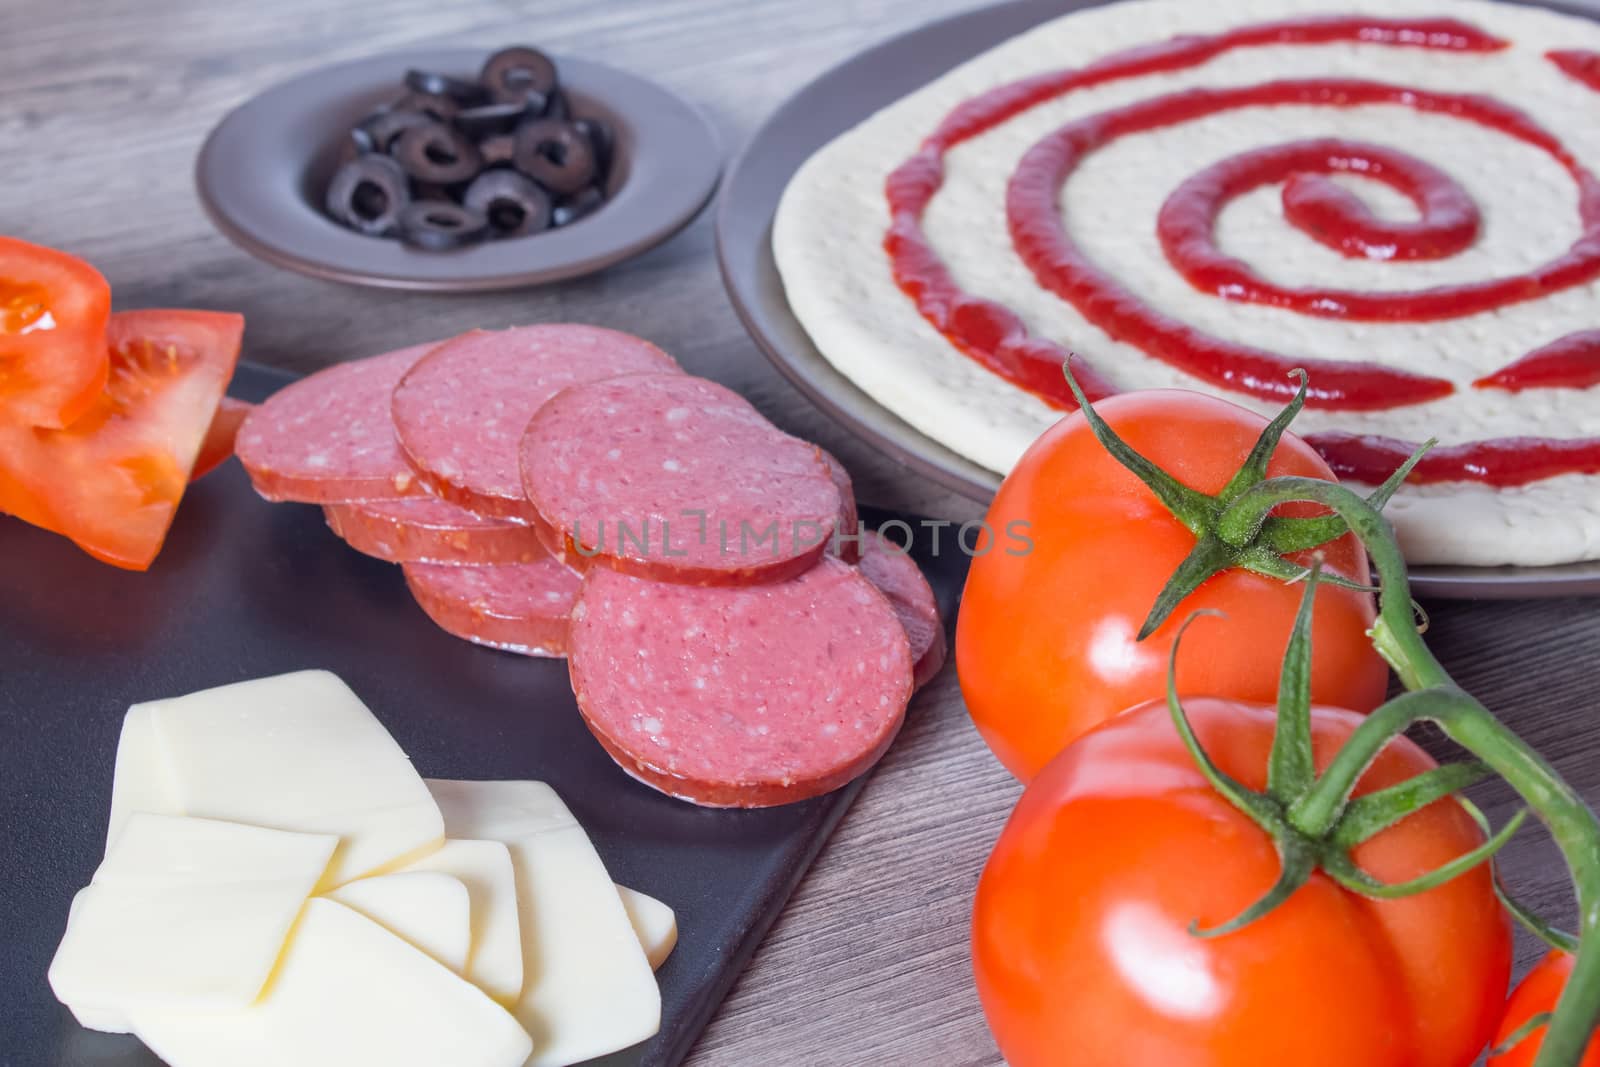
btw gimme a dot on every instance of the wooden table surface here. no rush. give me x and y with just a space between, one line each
103 105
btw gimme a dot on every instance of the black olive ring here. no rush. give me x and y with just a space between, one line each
437 153
431 83
439 225
513 203
512 74
555 154
368 194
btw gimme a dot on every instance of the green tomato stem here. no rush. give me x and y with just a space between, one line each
1534 923
1292 766
1284 536
1254 468
1342 869
1206 558
1257 807
1367 816
1316 812
1435 696
1521 1034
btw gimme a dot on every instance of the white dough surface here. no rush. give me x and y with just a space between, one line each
830 226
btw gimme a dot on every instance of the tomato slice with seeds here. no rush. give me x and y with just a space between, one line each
112 480
53 313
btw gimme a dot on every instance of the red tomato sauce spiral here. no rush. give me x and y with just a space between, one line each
1448 222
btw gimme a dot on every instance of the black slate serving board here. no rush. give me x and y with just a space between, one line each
245 589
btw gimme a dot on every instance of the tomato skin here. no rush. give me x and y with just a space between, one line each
1045 641
224 429
1080 942
1538 993
54 309
112 480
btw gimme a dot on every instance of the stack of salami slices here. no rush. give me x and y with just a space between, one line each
562 490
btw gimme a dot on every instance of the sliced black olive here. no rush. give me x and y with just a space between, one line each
356 142
572 208
603 140
434 105
369 194
490 119
432 83
555 154
559 106
498 150
385 127
440 225
512 73
433 191
513 203
437 153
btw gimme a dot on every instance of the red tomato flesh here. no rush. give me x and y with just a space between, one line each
53 313
218 445
1045 642
112 481
1080 936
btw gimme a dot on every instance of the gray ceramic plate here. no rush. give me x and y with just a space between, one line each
837 101
262 173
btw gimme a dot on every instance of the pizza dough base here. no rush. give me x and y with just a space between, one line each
829 229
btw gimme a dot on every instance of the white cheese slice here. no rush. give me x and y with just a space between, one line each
297 752
494 960
653 923
141 781
91 1014
184 913
427 910
346 993
588 988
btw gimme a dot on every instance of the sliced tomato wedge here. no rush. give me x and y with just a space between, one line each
218 445
112 480
53 313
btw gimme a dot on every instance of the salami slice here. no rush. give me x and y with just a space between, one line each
517 607
327 438
460 413
425 529
676 478
847 545
747 696
898 578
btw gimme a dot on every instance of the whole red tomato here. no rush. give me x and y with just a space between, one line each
1045 642
1536 994
1080 935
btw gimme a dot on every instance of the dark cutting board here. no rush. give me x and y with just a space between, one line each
245 589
